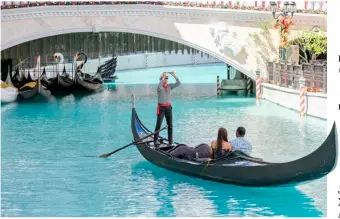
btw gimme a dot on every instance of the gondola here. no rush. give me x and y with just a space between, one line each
86 82
110 79
89 83
59 86
107 70
9 93
33 90
65 81
19 80
108 75
238 168
49 83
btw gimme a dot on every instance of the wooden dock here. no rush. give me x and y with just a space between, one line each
233 85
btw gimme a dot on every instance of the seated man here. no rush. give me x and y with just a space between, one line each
240 143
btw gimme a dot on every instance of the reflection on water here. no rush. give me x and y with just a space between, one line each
197 197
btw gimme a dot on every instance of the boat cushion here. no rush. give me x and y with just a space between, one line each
183 151
5 85
30 84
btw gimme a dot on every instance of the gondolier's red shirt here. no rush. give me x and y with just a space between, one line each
162 105
164 94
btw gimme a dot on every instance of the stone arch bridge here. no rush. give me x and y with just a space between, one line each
222 33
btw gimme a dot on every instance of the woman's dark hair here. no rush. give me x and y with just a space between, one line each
222 135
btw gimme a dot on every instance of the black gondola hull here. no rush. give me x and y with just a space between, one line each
243 170
110 79
35 93
87 85
65 82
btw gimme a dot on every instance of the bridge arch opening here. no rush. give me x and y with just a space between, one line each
103 44
95 31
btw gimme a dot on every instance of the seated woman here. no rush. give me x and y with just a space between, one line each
217 149
220 146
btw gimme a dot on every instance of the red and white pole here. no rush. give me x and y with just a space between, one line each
75 59
258 85
248 85
38 69
302 96
218 86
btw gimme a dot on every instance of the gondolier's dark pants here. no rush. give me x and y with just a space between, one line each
167 112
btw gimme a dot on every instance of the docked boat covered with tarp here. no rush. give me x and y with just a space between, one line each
236 167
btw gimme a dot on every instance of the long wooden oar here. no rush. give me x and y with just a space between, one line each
135 142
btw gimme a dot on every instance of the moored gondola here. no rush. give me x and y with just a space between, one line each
107 70
49 83
238 168
65 81
86 82
18 80
9 93
110 79
59 86
33 90
89 83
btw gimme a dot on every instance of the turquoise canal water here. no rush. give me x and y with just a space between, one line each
44 171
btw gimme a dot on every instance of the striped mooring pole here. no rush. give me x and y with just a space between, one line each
38 69
302 81
248 85
258 85
146 60
75 66
324 72
194 58
218 86
75 59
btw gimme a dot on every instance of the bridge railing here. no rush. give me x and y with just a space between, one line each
52 68
288 75
318 7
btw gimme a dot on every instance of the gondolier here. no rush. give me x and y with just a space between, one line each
164 107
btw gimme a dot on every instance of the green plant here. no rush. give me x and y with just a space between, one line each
311 44
263 41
